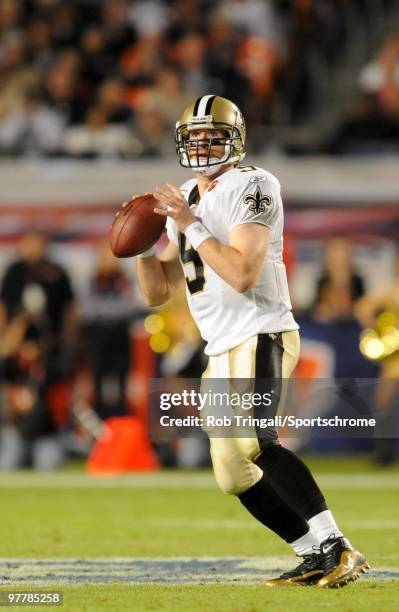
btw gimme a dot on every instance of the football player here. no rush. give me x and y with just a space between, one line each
225 229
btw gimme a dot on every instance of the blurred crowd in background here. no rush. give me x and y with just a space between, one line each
92 78
47 333
69 358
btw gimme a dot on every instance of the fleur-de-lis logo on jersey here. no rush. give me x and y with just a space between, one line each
257 201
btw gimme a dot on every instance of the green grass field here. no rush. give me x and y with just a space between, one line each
172 541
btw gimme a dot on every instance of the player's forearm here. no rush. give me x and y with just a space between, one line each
229 264
152 280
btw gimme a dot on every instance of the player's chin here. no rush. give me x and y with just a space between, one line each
203 160
208 168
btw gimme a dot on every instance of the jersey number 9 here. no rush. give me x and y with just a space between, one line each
193 266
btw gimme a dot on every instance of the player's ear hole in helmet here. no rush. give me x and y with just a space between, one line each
210 113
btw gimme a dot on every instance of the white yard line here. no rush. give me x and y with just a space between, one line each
178 480
218 524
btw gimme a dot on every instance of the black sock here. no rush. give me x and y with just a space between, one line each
266 505
292 481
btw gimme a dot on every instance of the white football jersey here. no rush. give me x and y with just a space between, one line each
226 318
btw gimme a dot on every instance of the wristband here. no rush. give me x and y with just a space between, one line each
196 234
148 253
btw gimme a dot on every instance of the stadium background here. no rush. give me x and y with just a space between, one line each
90 92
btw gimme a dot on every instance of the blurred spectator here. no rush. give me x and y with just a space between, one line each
38 327
339 285
185 16
166 96
375 117
190 55
61 87
379 311
28 434
150 17
111 101
386 299
15 74
380 78
33 127
96 63
118 33
294 82
319 25
257 60
150 130
13 51
40 289
256 18
330 325
138 64
96 138
226 78
10 14
107 311
64 25
39 48
107 129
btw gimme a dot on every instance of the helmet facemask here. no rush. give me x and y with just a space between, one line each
197 154
206 114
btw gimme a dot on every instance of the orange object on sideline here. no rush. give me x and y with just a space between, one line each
122 447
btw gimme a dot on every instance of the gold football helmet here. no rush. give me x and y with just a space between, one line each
210 113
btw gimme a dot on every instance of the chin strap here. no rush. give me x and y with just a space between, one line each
208 170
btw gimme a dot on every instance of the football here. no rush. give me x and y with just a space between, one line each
136 228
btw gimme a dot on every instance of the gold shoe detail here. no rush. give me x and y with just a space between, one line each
342 564
304 580
309 571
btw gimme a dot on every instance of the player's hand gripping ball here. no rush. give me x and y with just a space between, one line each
136 227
